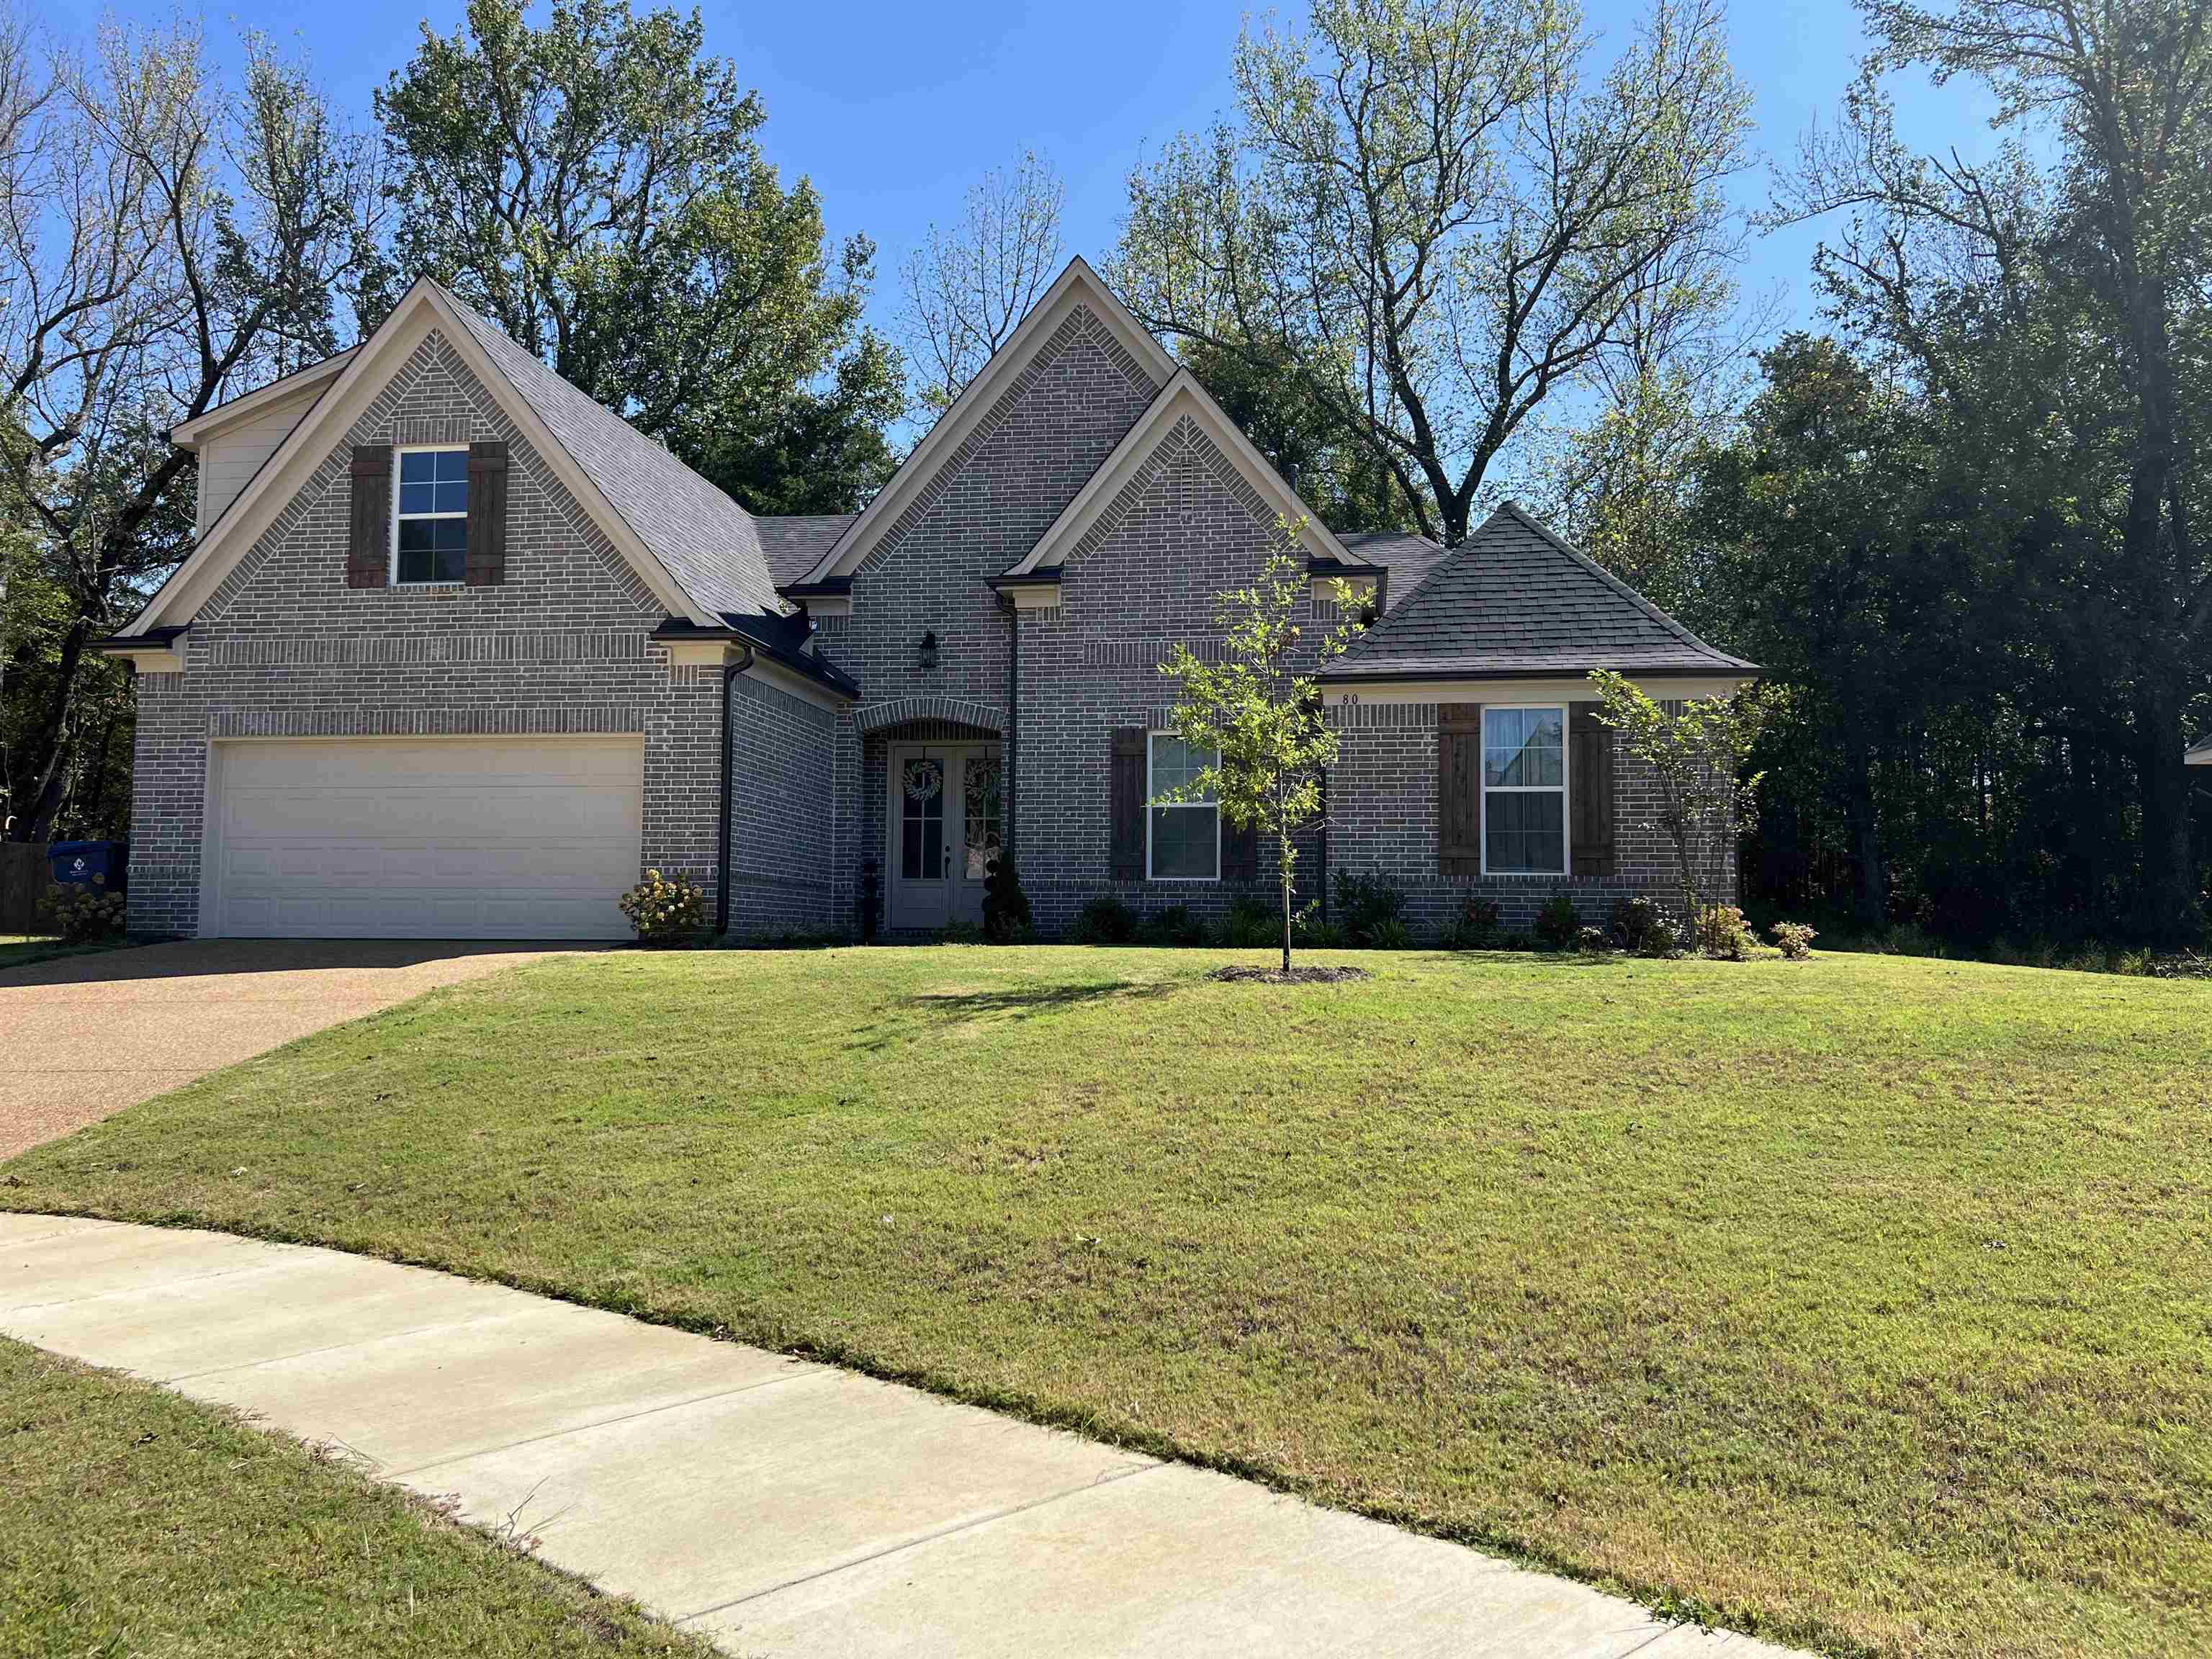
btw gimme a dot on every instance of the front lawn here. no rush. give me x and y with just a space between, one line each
21 950
138 1522
1863 1301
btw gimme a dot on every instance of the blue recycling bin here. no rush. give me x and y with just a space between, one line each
79 863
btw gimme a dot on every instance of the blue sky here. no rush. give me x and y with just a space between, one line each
894 109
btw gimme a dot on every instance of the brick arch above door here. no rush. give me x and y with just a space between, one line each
901 711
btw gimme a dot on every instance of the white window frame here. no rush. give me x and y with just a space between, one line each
1152 740
1566 870
420 449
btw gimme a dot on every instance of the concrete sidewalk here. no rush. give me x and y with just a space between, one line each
782 1508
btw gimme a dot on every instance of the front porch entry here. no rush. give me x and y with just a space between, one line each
944 820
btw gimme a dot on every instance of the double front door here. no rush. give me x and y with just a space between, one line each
945 817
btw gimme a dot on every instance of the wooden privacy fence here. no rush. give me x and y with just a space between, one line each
23 881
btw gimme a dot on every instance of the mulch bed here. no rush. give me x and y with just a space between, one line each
1295 976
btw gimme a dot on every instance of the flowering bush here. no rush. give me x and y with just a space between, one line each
1642 927
82 910
1722 932
663 908
1796 939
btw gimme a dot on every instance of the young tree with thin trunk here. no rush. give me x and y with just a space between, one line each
1259 708
1696 756
969 284
1446 212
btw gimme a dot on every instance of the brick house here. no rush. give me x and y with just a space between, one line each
458 653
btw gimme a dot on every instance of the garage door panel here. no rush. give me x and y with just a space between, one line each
468 838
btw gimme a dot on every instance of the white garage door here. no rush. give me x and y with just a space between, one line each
429 838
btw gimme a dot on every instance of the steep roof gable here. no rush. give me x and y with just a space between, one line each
1182 398
695 549
1077 285
1514 600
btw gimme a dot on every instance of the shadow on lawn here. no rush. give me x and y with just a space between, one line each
934 1010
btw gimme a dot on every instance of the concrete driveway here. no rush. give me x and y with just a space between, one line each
84 1036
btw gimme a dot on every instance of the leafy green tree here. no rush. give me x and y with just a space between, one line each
2085 279
1704 796
596 186
166 241
1445 213
1259 710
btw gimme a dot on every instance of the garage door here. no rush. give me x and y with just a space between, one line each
454 838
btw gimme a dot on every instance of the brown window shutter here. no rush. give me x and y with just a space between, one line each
1459 788
487 557
368 532
1127 796
1239 853
1589 786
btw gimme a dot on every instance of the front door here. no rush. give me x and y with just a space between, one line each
944 823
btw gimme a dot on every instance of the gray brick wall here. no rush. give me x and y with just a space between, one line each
783 814
1383 820
981 510
284 648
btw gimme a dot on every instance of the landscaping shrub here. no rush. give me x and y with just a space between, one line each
1477 926
1175 926
1310 929
1723 933
1104 921
1006 907
79 911
1640 926
1558 924
1391 934
1796 939
959 932
1252 927
1366 903
1596 941
664 909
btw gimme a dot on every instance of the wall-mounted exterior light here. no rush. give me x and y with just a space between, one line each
928 652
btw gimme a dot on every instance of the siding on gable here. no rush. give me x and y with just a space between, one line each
284 648
228 462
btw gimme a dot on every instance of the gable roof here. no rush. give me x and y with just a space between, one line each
1181 396
2200 752
793 545
1077 285
694 548
190 432
1513 600
1406 556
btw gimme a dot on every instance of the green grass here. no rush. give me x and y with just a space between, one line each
137 1522
1865 1302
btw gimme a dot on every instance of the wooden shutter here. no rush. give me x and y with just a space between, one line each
1459 789
368 532
1239 853
1126 796
1590 788
487 559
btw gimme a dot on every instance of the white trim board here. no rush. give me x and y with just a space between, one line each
1182 396
1077 285
368 372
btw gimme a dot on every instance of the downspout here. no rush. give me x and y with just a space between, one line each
1013 709
730 673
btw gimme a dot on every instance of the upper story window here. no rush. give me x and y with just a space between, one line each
1183 841
1524 791
430 524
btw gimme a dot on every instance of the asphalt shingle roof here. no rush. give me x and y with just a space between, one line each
1513 599
2201 749
710 545
794 546
1409 558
